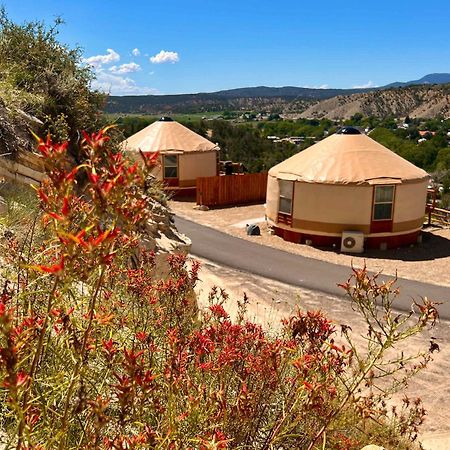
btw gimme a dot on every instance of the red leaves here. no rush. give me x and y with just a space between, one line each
92 175
96 140
311 328
92 242
109 347
53 269
49 149
55 215
65 209
142 336
219 312
71 175
16 380
150 158
42 195
218 440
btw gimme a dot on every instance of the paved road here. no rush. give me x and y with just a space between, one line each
292 269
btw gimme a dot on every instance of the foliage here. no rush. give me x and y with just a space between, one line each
243 143
248 143
431 155
99 351
130 125
301 127
47 79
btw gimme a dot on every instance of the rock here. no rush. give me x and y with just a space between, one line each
373 447
160 234
201 207
148 243
164 227
151 227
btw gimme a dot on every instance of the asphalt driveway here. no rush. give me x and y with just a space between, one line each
294 270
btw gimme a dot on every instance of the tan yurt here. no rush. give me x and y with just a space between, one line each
347 191
184 154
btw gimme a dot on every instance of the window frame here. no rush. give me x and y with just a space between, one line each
284 197
383 202
171 166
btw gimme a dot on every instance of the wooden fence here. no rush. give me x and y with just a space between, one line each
231 189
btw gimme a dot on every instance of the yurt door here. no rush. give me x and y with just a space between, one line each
382 209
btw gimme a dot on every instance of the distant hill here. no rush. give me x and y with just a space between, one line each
286 92
432 78
287 99
413 101
257 98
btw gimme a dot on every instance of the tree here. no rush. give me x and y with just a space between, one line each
47 79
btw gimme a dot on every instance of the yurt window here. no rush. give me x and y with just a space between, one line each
286 191
383 202
170 166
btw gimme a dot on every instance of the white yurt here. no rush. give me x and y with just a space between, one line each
347 191
184 154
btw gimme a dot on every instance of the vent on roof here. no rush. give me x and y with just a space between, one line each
166 119
348 130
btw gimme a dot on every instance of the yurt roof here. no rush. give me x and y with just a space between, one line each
166 135
347 157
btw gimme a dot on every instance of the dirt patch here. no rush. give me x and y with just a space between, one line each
269 301
427 262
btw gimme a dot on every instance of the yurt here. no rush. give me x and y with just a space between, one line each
347 191
184 154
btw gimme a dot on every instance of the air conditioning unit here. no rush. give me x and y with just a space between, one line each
352 242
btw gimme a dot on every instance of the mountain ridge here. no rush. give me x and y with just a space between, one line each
431 78
421 101
287 99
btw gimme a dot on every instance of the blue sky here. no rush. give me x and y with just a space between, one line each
209 45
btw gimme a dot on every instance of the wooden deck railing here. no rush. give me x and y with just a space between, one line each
438 216
231 189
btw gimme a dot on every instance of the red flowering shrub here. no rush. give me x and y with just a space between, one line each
98 351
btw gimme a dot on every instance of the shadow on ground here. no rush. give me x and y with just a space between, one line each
432 247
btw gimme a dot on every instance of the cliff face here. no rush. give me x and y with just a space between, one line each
14 133
416 101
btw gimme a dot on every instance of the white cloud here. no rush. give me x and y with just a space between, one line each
125 68
119 85
98 60
165 57
322 86
369 84
136 52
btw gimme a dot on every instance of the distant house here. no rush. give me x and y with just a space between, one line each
425 133
184 154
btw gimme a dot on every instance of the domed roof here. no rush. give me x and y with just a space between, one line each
345 158
167 135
